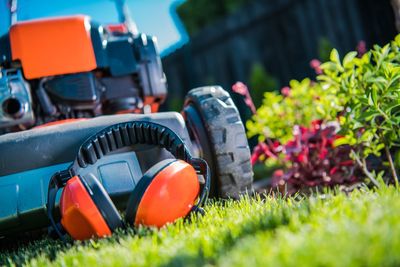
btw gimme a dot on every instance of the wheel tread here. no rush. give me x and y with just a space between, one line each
232 153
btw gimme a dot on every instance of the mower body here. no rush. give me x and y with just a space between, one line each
29 158
64 69
71 67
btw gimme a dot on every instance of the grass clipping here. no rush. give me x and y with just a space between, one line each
360 229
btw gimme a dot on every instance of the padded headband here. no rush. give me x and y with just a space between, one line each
129 134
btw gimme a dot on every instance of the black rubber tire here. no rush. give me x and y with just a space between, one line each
222 138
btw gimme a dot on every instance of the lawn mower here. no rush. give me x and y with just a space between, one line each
76 94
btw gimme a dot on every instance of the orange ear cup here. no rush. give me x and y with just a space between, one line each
169 196
80 216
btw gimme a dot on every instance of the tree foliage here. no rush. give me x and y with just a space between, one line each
196 14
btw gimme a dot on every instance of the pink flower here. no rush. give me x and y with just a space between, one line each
361 48
315 64
242 89
285 91
278 173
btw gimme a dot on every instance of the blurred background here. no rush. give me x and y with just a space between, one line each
262 43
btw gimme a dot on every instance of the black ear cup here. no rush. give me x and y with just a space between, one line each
103 201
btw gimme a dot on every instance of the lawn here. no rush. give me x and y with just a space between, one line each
360 229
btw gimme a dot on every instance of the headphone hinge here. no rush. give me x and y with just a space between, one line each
61 178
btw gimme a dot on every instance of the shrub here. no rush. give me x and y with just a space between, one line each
370 85
361 92
314 160
300 104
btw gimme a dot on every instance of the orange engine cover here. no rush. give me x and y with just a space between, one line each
53 46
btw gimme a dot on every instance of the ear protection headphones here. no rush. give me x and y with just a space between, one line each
166 192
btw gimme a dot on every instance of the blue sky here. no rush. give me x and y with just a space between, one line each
152 16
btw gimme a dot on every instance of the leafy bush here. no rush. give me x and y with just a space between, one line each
300 104
315 160
361 92
370 87
311 158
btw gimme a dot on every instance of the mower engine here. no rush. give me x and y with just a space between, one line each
69 67
15 99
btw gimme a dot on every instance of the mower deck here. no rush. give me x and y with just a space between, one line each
28 159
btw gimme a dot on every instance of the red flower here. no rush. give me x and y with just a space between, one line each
333 170
323 153
302 158
268 150
347 163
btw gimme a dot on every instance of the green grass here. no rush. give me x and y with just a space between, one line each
361 229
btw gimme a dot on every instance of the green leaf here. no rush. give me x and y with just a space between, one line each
397 40
370 100
374 96
375 80
369 115
334 56
346 140
347 61
329 66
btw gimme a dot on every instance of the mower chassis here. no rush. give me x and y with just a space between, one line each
28 159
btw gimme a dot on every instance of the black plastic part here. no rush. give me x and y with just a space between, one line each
141 187
79 87
121 94
57 181
150 70
140 132
5 50
45 102
102 201
121 59
197 210
61 178
97 36
120 87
